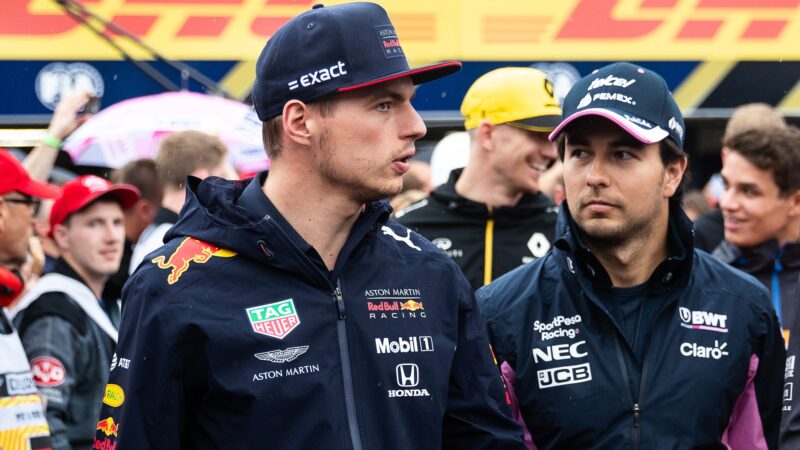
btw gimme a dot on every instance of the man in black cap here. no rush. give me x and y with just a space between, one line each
288 311
623 336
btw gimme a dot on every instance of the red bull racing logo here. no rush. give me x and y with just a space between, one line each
411 305
191 250
108 427
274 319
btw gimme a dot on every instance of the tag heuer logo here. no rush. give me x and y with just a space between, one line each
282 356
275 319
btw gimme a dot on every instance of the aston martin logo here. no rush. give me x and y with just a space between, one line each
282 356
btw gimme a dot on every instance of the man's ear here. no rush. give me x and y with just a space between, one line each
484 135
794 203
60 237
296 115
674 174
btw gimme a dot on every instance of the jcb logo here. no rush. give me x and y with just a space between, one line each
560 376
559 352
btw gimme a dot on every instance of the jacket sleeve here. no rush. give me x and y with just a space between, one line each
790 425
144 403
755 421
477 415
51 344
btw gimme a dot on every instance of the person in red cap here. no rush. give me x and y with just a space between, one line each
69 332
22 420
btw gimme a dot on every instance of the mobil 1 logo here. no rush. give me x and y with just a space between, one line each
413 344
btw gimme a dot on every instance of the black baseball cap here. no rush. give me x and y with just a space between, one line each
635 98
333 49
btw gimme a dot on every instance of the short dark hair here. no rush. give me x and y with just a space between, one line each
272 129
776 151
143 174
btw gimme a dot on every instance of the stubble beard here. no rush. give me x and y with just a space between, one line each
354 182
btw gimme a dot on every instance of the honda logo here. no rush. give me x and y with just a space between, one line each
407 375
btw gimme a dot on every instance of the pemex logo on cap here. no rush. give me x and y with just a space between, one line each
274 319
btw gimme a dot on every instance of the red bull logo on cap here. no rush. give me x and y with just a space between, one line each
274 319
189 251
108 426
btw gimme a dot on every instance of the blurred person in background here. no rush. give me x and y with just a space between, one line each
709 228
695 204
179 155
143 175
491 216
760 205
67 328
23 424
69 114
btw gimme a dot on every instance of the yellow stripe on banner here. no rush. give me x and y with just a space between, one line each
487 256
239 79
700 83
792 99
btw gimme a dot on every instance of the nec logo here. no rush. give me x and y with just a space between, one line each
407 375
559 352
703 320
319 76
560 376
413 344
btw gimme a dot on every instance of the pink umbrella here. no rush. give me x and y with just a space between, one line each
132 129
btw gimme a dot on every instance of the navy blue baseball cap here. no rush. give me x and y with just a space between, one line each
333 49
635 98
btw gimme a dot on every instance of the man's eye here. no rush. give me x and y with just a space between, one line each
383 106
624 155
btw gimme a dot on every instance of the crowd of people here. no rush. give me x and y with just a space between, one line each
562 290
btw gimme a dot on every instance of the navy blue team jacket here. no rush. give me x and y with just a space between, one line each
233 337
711 376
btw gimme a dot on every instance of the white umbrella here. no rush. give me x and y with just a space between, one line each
132 129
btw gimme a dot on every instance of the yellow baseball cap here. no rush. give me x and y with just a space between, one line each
518 96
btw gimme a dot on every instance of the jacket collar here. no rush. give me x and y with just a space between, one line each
670 274
760 257
236 215
528 205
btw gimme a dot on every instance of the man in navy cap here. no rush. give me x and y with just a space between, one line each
289 312
623 336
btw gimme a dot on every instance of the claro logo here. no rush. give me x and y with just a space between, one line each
559 352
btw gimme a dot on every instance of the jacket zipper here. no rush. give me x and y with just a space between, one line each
347 376
635 433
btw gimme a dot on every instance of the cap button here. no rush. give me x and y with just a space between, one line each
318 6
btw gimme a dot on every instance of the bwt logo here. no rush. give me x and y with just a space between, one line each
559 352
407 375
319 76
703 320
560 376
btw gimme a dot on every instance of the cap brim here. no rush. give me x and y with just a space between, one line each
40 190
648 136
542 124
418 75
127 195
